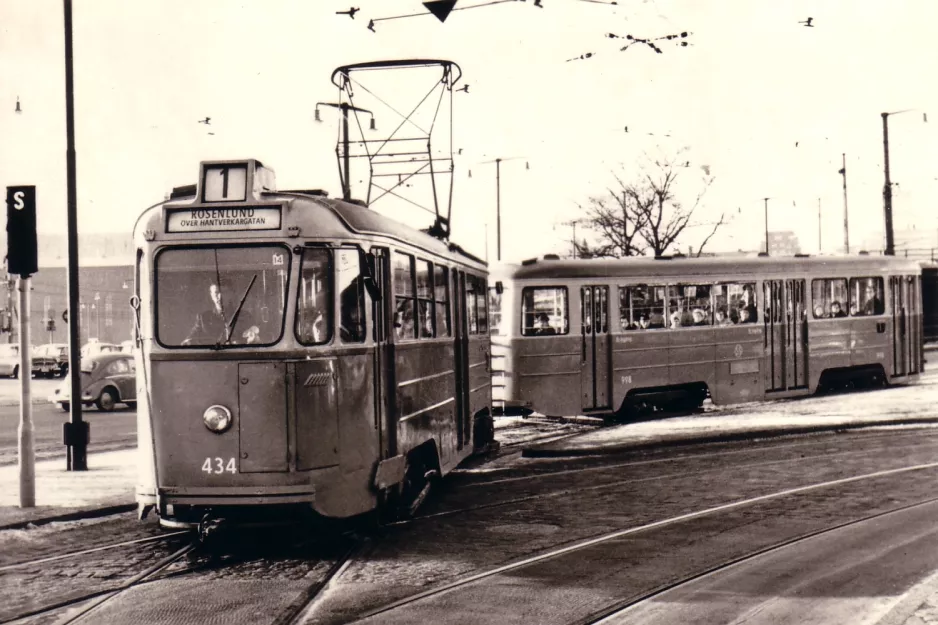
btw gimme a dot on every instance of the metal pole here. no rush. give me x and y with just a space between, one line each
77 456
347 183
846 228
573 223
498 206
887 190
766 226
819 225
27 454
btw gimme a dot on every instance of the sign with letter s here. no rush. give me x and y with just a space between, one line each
22 253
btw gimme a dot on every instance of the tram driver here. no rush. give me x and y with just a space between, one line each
211 325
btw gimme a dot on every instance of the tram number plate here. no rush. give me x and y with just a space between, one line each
217 466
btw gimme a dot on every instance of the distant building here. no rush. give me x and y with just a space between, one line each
783 243
105 282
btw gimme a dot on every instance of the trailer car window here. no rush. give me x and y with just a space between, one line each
441 289
829 298
730 299
544 311
866 297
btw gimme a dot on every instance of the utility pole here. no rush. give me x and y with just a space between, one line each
819 225
843 172
766 226
498 208
887 190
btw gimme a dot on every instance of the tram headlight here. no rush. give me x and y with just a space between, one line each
217 418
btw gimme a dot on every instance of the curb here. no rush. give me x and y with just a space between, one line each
77 515
600 450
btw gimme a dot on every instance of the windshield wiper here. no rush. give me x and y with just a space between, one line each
234 317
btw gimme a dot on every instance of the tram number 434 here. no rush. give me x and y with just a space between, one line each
216 466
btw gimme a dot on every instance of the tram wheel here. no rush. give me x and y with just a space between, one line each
106 401
65 406
16 373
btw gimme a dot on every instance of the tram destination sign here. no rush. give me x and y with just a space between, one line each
217 219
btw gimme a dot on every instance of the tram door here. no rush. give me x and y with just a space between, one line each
461 354
786 335
384 355
594 371
899 293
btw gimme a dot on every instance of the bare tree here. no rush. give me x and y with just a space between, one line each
644 215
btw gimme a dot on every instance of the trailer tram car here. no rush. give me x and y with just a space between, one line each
299 355
630 335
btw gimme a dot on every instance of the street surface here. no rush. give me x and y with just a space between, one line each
113 430
824 528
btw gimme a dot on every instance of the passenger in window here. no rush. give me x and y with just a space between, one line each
722 319
700 317
643 321
836 311
542 325
404 320
854 310
819 312
744 315
676 319
873 305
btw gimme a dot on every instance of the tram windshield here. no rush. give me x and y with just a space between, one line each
218 296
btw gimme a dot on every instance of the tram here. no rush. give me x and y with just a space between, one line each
624 336
297 354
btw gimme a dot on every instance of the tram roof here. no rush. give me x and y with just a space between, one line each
666 267
334 218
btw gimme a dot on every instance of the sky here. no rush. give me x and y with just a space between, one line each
765 103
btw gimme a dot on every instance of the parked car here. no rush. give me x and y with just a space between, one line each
9 359
94 348
50 360
106 380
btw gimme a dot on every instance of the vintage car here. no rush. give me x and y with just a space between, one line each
9 359
106 380
50 360
93 348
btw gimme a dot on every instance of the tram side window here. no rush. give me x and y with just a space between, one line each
479 291
690 305
314 299
733 303
544 311
829 297
441 290
641 307
351 296
404 327
866 297
424 299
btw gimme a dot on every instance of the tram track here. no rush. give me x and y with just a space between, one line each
605 615
100 596
383 613
83 552
618 481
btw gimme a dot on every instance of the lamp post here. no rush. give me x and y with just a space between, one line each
97 315
498 200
